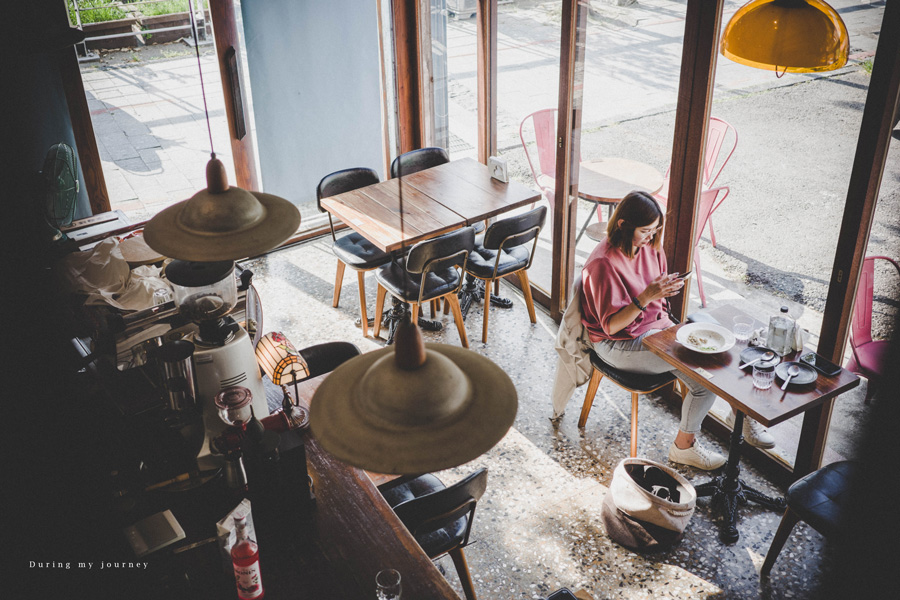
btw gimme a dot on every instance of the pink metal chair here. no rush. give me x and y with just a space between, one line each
716 135
544 123
869 355
709 201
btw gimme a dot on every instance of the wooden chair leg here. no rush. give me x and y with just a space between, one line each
414 312
446 305
338 280
593 385
379 307
361 277
496 287
526 289
487 311
434 308
788 521
634 423
462 570
457 316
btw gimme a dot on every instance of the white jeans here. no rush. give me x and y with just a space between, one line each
631 355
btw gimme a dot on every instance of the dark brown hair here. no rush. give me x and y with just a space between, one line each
637 209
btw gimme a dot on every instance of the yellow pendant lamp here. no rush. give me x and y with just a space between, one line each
787 36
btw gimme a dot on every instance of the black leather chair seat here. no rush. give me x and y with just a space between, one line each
396 279
481 261
820 497
433 543
359 253
636 382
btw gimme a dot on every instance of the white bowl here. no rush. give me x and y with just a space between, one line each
705 338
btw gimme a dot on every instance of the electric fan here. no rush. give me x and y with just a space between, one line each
59 189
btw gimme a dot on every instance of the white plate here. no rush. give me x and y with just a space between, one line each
715 338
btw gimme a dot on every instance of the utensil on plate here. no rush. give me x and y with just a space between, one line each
792 371
764 357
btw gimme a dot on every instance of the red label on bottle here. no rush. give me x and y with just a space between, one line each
249 584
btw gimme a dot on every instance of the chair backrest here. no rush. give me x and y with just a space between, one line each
442 508
716 135
442 252
708 203
544 123
515 231
418 160
344 181
861 325
325 358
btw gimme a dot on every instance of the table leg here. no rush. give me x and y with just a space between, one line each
728 490
396 313
586 223
474 289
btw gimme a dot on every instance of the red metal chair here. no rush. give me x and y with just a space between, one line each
869 355
544 123
709 201
716 135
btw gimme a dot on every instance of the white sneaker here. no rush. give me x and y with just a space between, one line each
696 456
754 433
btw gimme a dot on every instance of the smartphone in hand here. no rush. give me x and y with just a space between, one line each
684 275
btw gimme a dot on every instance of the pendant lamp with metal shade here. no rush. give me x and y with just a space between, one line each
787 36
220 222
412 407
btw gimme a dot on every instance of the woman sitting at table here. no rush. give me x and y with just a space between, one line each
625 282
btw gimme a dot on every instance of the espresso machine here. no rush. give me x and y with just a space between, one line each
205 293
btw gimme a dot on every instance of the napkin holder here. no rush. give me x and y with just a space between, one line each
499 169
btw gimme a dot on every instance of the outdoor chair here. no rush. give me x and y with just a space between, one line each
716 136
505 251
432 270
351 249
544 124
439 517
819 499
709 201
869 356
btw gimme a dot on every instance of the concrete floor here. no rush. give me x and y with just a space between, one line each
538 526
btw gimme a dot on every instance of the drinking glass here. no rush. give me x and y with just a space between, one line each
763 376
742 328
387 584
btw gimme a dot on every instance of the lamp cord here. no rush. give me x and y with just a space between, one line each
200 69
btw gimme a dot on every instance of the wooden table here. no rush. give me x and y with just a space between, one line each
435 201
607 180
719 373
333 550
357 531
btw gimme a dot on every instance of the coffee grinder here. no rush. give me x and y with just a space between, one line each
205 293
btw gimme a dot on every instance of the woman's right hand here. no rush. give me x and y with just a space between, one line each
662 287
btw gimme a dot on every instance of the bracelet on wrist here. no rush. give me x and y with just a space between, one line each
637 303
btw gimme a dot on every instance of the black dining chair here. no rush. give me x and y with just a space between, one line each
820 499
505 251
419 160
352 249
439 517
432 270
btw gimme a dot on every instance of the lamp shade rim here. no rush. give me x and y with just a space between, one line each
356 439
165 233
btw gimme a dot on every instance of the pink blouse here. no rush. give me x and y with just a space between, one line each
609 281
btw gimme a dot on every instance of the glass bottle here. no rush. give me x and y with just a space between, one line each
781 333
245 556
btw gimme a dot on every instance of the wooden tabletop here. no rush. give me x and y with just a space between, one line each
358 532
608 180
435 201
720 374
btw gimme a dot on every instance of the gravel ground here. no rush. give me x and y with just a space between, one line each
789 175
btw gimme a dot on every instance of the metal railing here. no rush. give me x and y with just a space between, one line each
201 30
